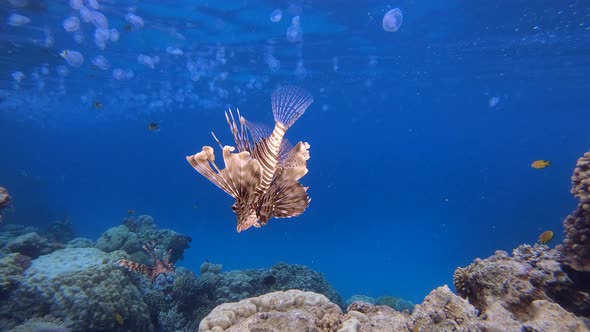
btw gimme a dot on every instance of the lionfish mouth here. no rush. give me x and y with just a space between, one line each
263 175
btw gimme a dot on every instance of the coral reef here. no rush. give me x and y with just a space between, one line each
81 287
396 303
529 291
576 245
292 310
134 232
5 200
12 267
33 245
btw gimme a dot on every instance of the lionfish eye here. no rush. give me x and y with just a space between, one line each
234 207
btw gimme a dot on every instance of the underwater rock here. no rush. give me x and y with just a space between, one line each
32 245
135 232
292 310
396 303
576 244
80 242
236 285
83 288
12 267
359 297
113 239
510 292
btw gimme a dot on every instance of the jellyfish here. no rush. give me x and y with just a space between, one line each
100 37
101 62
71 24
276 15
17 20
18 76
392 20
134 20
99 20
114 35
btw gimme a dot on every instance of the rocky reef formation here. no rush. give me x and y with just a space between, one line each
80 287
528 291
135 232
5 200
576 245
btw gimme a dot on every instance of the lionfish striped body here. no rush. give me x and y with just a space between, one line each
263 175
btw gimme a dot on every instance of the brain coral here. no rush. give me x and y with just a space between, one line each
576 245
83 288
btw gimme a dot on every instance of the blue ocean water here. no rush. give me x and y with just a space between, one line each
421 139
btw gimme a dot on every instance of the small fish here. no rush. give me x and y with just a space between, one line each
73 58
130 211
539 164
263 175
195 206
119 318
97 104
545 237
152 126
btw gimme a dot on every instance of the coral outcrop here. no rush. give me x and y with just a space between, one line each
576 244
5 200
81 287
292 310
135 232
528 291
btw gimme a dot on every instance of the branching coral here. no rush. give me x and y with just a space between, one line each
576 245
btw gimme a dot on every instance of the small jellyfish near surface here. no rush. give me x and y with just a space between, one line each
18 76
101 62
276 15
73 58
71 24
392 20
294 34
134 20
493 102
17 20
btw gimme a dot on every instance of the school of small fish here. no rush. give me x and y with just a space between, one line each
263 170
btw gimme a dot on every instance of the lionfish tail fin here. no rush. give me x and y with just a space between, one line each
289 103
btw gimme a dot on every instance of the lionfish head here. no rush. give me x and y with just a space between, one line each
246 216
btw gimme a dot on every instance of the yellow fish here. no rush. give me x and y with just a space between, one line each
152 126
538 164
130 211
545 237
119 318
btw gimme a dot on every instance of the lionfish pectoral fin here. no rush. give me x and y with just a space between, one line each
204 163
242 173
289 103
285 198
239 177
295 163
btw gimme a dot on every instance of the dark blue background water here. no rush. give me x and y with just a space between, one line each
412 172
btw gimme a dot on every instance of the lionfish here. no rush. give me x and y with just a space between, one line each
262 176
160 265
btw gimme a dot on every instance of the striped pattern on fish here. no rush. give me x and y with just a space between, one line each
262 176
